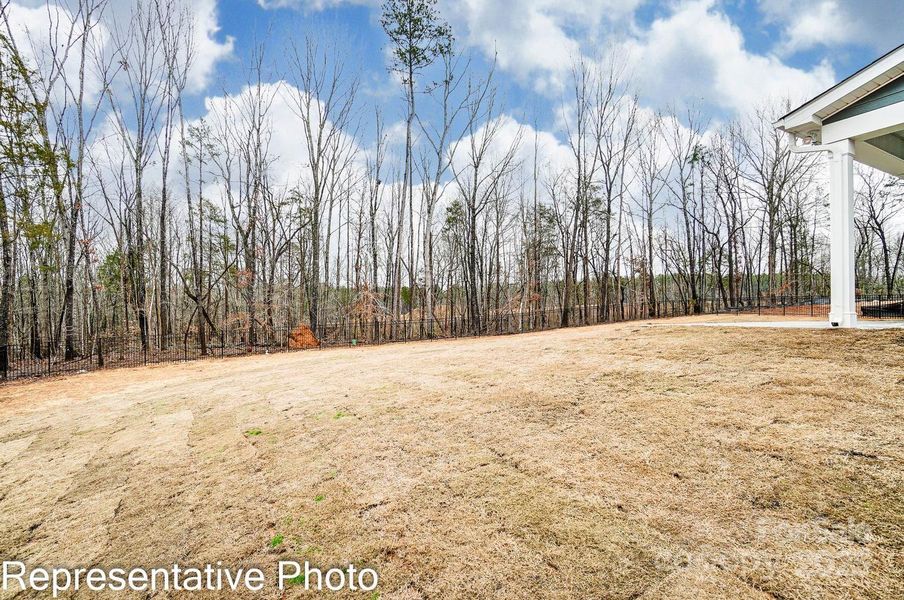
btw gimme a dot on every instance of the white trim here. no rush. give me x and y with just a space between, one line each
876 75
867 125
878 158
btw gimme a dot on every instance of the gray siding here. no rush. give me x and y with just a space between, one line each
890 93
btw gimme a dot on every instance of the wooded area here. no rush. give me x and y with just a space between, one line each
462 221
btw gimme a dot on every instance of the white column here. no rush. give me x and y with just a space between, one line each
841 171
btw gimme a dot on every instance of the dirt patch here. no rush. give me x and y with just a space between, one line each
614 461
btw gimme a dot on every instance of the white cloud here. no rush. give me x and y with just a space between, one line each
314 5
698 54
225 116
44 33
695 53
283 129
810 24
34 20
536 40
208 50
552 155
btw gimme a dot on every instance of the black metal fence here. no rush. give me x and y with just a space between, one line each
41 358
869 306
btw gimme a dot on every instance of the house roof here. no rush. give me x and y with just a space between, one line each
810 115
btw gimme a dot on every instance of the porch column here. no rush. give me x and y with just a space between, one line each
841 170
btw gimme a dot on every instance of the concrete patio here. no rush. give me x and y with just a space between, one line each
860 324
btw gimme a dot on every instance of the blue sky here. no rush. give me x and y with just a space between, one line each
768 48
725 57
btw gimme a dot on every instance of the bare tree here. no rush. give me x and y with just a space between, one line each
651 178
881 201
773 171
177 47
487 162
443 139
323 97
418 36
242 164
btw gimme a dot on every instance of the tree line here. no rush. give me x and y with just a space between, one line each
121 215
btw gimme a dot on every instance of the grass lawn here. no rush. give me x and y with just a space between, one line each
620 461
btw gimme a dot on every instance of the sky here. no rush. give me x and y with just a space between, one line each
724 57
727 57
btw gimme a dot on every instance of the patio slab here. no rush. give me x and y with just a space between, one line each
799 324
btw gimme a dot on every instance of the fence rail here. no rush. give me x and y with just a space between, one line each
42 358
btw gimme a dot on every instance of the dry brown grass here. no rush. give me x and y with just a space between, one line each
617 461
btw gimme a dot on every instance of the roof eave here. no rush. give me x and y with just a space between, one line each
798 126
805 114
